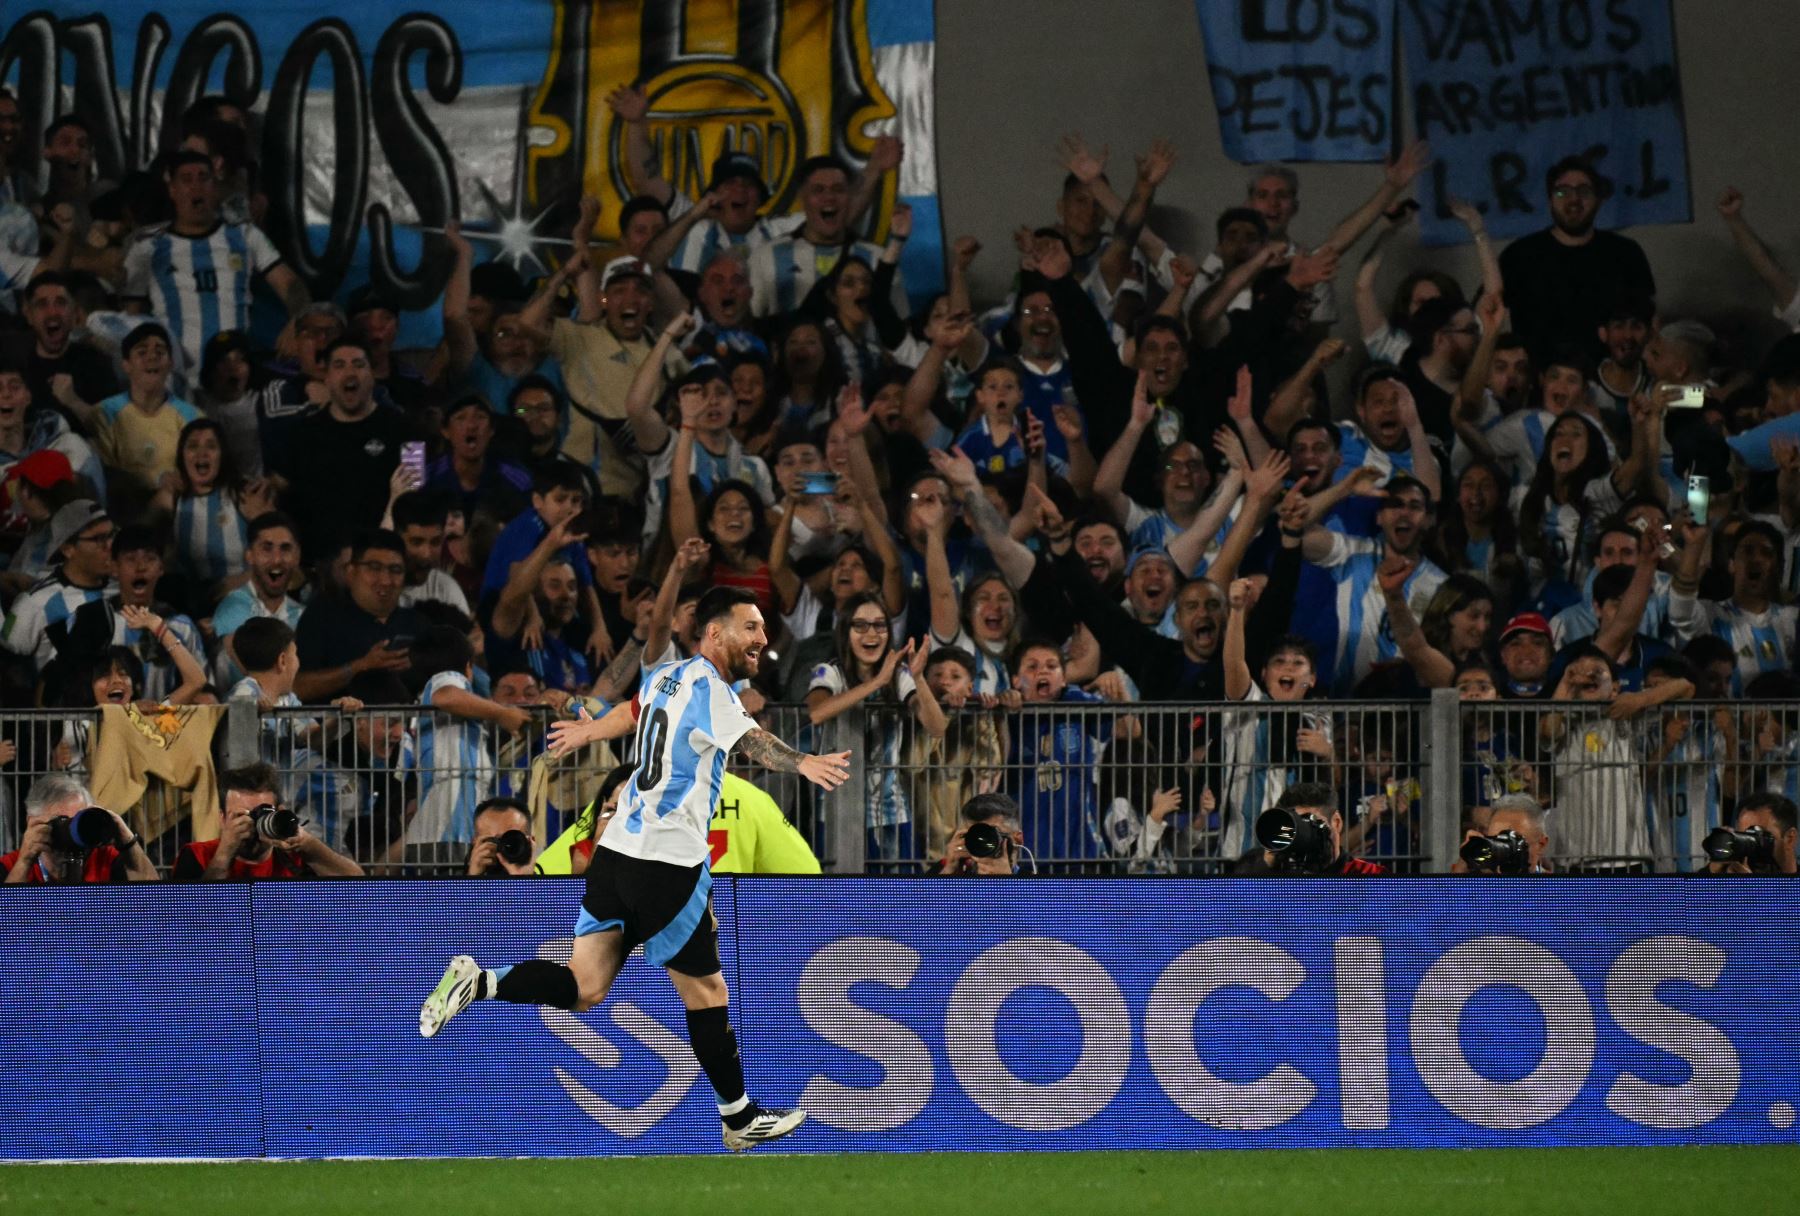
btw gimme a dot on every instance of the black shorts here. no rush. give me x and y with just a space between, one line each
665 908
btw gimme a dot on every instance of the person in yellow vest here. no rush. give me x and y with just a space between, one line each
748 833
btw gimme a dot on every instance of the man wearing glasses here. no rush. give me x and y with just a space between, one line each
1562 282
81 536
340 638
245 847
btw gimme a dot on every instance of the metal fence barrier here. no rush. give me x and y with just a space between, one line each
1103 788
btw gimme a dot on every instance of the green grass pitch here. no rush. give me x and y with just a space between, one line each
1344 1182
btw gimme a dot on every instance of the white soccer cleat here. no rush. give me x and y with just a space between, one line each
451 996
766 1123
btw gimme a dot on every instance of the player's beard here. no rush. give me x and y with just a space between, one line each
743 664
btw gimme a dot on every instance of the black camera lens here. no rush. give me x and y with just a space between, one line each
1752 846
1299 841
275 823
1501 853
514 847
83 831
982 840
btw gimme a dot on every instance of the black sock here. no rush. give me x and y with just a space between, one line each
537 982
715 1046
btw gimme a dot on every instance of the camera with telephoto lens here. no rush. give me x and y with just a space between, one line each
1299 841
1501 853
983 840
1752 846
273 822
83 831
514 847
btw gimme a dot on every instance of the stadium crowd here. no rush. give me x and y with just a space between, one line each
1147 476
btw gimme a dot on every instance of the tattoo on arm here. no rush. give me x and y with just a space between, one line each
617 675
981 510
766 751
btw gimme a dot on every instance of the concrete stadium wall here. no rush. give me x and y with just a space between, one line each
1015 74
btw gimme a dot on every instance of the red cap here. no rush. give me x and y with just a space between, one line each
43 469
1526 622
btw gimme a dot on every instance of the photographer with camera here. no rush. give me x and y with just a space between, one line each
1510 839
504 846
1760 839
991 840
259 837
69 839
1304 834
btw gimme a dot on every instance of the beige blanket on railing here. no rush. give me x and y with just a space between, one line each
172 743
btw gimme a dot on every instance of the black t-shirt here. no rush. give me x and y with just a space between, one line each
1560 294
88 366
335 631
338 474
1434 403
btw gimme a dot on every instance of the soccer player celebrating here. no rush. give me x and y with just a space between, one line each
650 880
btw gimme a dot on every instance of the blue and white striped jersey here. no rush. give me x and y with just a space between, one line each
688 719
49 604
991 676
708 238
200 285
1762 641
455 769
210 536
1578 621
1364 636
1254 783
1685 800
1357 450
283 736
782 272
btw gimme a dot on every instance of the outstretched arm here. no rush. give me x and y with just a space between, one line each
1294 398
1013 559
1399 176
766 751
642 168
1781 283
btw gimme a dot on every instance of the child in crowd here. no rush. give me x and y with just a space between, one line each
453 755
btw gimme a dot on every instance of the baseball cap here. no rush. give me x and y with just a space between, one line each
72 519
43 469
737 164
625 267
1148 553
1526 622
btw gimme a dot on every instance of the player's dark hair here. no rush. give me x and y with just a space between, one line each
1781 808
558 475
420 509
137 538
1241 215
719 603
502 804
440 648
985 807
842 634
380 540
121 659
1308 794
268 521
260 642
952 654
344 340
258 778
